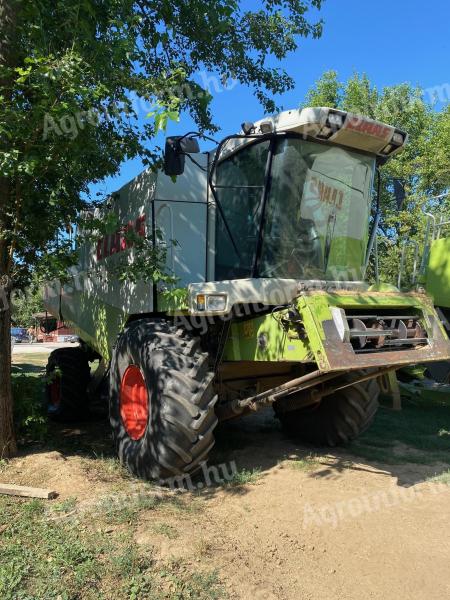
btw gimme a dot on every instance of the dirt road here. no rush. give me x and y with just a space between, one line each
289 526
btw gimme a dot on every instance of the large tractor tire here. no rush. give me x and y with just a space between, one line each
161 400
337 419
67 380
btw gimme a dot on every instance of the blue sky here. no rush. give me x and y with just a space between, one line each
393 41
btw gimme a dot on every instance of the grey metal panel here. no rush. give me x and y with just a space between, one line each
184 222
189 187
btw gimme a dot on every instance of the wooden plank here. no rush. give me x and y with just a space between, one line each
26 492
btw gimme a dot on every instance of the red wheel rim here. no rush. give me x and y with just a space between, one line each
134 402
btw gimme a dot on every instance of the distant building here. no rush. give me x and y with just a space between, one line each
60 334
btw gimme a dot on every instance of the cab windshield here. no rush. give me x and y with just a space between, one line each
296 209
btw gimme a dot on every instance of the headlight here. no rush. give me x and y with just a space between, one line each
335 120
398 138
211 303
216 303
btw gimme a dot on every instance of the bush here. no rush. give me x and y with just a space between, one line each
29 409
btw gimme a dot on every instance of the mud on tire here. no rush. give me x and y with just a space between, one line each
178 434
67 379
338 418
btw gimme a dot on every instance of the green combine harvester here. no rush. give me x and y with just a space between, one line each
431 273
274 231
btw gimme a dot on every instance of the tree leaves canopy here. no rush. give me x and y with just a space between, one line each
71 80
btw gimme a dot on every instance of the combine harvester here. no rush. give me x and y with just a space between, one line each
274 231
431 273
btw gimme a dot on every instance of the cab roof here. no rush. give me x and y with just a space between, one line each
332 126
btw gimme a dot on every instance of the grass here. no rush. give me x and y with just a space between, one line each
442 478
307 464
419 433
245 477
64 506
58 551
166 530
35 359
105 468
45 558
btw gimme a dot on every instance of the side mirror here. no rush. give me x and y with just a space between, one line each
174 153
48 324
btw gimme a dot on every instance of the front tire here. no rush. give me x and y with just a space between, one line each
161 400
337 419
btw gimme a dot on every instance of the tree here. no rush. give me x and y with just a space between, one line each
420 171
7 60
25 303
70 75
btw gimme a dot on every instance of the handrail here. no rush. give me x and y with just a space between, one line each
402 261
372 242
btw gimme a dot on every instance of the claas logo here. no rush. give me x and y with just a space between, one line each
119 241
368 127
326 193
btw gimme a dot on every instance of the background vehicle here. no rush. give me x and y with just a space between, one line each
20 334
274 232
431 271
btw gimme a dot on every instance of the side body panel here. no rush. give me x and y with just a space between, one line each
437 279
95 300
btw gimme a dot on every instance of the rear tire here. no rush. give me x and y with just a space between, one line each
67 378
337 419
161 400
439 371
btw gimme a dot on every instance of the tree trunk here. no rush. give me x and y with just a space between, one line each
7 438
7 52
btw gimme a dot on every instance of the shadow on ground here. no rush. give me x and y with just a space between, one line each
411 445
26 369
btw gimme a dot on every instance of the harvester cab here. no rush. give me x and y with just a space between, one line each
274 230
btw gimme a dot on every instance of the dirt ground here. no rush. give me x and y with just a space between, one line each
290 526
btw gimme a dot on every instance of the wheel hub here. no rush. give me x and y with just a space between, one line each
134 404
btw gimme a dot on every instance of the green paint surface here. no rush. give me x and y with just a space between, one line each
95 321
437 280
272 337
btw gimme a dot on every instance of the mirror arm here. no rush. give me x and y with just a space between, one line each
204 169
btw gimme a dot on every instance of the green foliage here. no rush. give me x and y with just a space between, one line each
166 530
442 478
72 82
423 168
307 464
29 409
26 303
245 477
